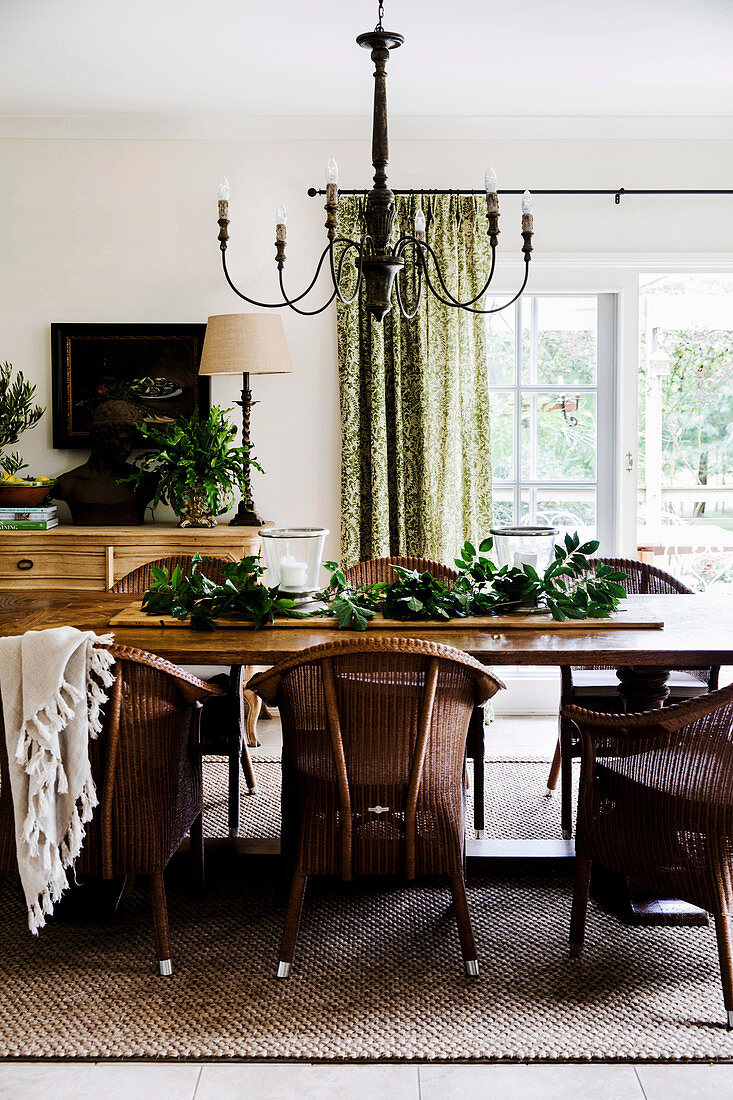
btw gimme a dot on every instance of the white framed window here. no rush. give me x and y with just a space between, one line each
552 382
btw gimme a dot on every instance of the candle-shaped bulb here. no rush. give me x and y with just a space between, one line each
527 203
223 189
490 181
419 223
281 217
332 171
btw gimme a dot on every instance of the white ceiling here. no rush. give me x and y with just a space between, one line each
620 58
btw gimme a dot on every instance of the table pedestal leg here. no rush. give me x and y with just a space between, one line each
642 688
646 689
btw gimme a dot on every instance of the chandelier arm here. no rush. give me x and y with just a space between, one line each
409 316
275 305
291 301
408 239
470 309
336 276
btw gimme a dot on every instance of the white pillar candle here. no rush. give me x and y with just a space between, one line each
521 559
292 573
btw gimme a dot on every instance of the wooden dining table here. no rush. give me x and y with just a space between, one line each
697 632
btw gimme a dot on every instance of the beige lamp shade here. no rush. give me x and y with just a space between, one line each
245 343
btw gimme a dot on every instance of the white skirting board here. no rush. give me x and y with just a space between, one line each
529 690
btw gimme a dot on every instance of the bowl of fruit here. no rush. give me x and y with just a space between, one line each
23 492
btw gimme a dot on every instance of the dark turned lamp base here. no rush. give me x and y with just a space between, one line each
246 517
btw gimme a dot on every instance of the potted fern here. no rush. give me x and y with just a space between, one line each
197 466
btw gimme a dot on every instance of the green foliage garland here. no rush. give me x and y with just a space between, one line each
195 596
571 588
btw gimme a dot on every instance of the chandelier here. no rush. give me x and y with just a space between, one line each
375 259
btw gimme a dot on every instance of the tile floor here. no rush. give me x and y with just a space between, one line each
139 1081
99 1081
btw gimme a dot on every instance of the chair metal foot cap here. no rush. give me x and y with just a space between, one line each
480 834
166 967
283 969
575 950
549 792
566 834
472 968
234 833
253 790
730 1021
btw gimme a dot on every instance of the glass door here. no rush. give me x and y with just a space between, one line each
552 366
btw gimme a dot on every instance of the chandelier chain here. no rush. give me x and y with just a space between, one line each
380 13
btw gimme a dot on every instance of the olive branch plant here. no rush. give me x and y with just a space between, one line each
17 414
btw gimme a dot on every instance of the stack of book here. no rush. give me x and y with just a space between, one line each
29 519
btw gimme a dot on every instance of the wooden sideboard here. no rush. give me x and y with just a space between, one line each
95 557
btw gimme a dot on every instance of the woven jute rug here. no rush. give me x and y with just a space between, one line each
516 802
378 972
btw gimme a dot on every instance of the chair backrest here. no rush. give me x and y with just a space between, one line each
645 580
683 753
138 580
379 727
380 570
141 765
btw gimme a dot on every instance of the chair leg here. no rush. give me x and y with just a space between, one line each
160 924
233 811
554 770
249 775
198 862
580 905
725 955
254 706
292 923
566 780
465 930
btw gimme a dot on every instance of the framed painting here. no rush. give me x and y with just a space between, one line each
153 366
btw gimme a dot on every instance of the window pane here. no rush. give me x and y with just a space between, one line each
502 436
500 350
575 511
503 508
559 436
566 341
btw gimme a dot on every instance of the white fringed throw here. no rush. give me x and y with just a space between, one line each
52 684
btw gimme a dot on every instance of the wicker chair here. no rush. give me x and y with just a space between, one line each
146 765
225 729
374 736
379 570
595 688
656 804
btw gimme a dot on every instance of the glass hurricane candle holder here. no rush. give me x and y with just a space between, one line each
293 557
518 546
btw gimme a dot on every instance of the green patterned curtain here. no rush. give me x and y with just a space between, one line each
415 464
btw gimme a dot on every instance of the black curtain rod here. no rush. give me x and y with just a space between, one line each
617 192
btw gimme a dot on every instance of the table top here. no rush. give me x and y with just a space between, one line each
697 633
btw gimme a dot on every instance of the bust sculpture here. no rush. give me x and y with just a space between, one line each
95 492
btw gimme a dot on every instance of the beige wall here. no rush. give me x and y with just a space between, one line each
125 230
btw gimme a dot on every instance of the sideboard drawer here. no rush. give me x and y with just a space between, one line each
34 567
93 558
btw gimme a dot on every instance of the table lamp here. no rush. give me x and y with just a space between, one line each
245 343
